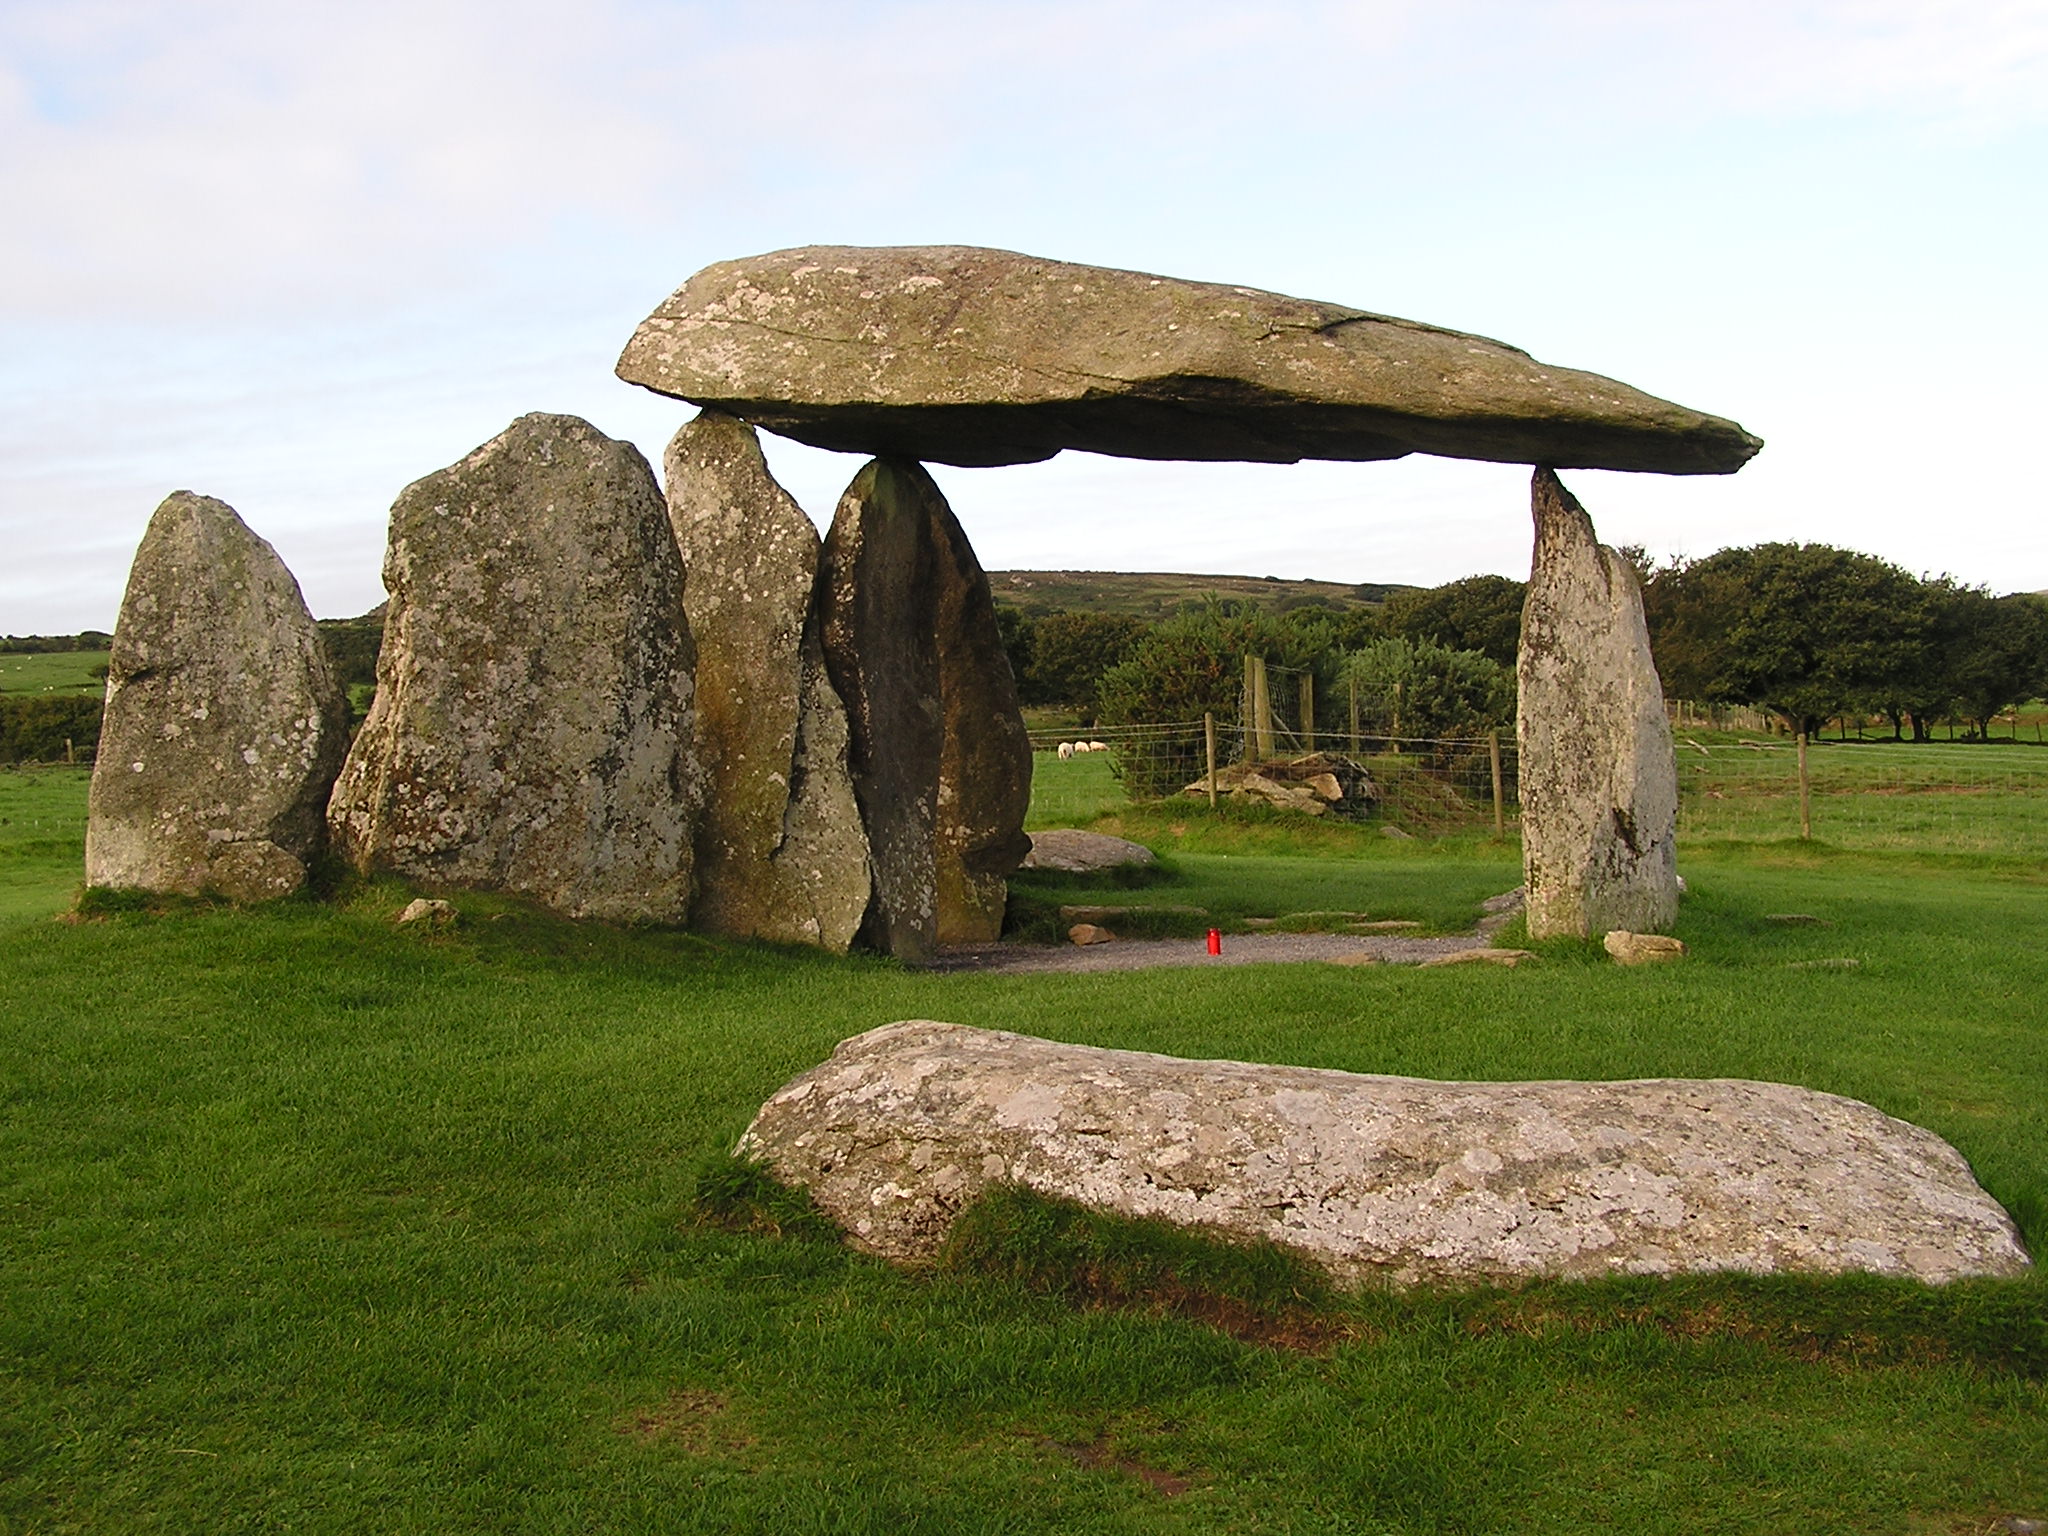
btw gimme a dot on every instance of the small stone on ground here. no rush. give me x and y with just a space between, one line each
1079 853
1641 948
1507 957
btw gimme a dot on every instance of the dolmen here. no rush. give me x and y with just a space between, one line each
1381 1181
676 703
960 355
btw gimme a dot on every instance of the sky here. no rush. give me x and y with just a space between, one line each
297 256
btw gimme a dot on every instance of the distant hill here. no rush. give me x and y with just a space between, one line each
1155 594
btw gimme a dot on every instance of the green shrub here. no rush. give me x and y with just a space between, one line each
1415 688
35 727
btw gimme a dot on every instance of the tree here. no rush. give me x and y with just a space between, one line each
1190 665
1806 631
1411 688
1478 613
1998 655
1016 628
1069 652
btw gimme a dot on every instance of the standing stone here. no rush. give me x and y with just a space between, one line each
985 762
1599 781
942 762
532 726
225 724
875 591
780 851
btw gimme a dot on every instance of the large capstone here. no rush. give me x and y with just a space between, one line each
1387 1180
1599 781
224 723
941 760
959 355
532 726
780 851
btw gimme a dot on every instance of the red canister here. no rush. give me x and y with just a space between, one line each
1215 941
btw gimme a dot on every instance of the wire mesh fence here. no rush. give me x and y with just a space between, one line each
1874 795
1965 798
1418 784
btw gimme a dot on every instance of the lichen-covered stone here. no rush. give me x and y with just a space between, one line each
532 726
881 652
959 355
1598 777
224 723
941 760
1386 1180
780 850
985 755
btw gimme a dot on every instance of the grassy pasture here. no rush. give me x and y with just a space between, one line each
1971 797
313 1222
52 672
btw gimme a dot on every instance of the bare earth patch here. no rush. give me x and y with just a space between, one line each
1238 949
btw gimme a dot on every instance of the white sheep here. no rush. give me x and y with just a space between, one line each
1066 750
1098 746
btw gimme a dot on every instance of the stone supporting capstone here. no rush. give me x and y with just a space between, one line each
532 727
1598 779
941 763
985 751
224 723
780 850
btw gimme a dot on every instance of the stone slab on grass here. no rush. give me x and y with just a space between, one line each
1081 853
1380 1180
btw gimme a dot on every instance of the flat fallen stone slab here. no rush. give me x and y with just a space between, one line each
962 355
1080 853
1509 958
1387 1180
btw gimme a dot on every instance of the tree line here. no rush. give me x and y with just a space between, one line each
1425 663
1810 633
1806 632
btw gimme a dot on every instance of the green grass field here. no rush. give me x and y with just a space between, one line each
321 1224
54 672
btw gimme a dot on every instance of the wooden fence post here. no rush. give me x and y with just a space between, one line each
1500 815
1308 712
1354 715
1805 793
1209 745
1262 709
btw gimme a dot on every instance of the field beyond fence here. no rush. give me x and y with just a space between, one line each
1971 797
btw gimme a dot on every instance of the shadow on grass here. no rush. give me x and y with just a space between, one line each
1269 1295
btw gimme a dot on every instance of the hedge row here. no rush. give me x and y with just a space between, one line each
34 729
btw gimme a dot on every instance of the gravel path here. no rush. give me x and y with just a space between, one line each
1238 949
